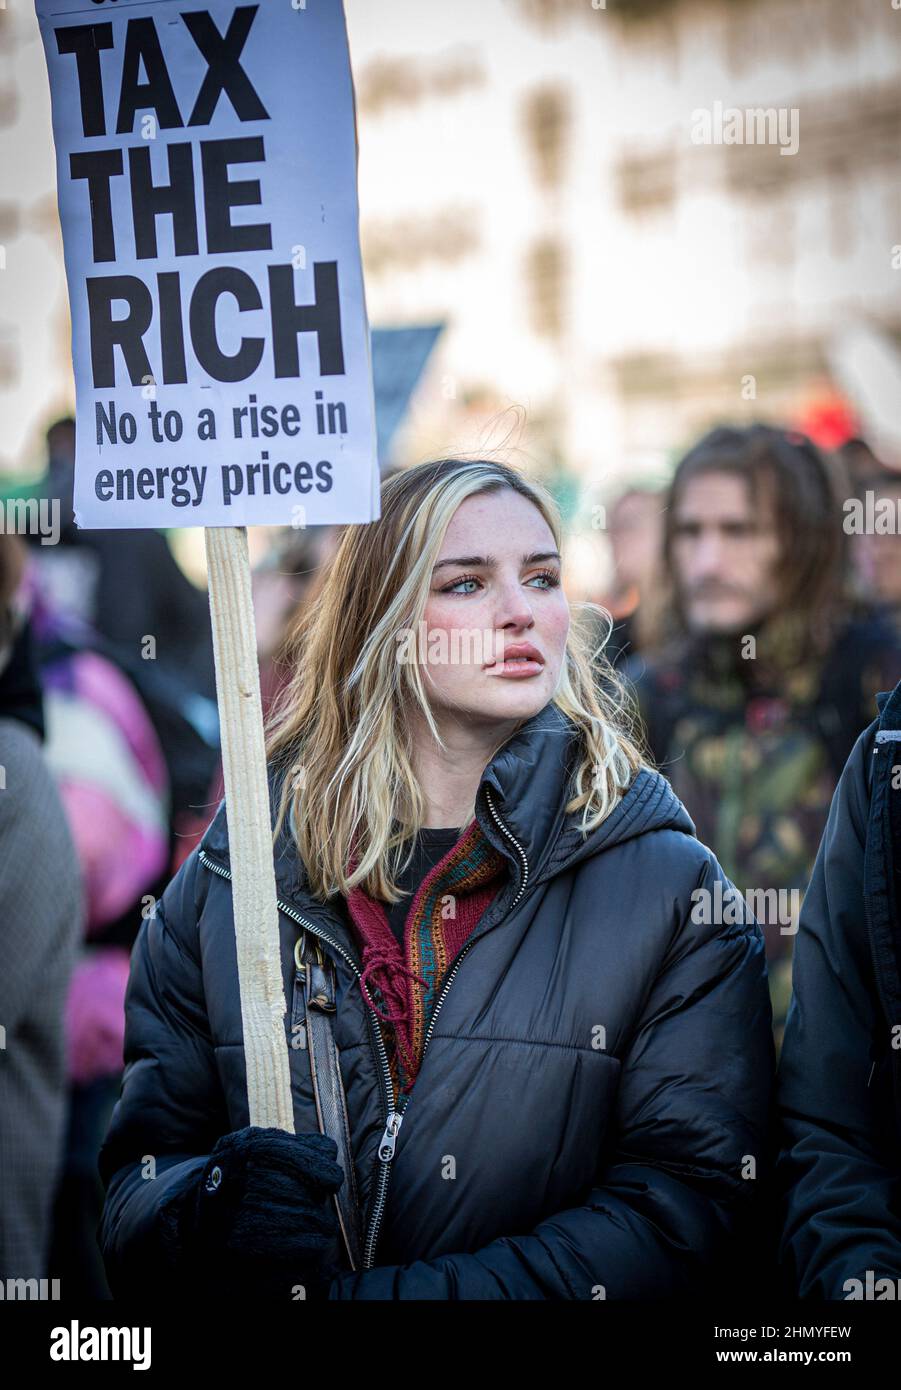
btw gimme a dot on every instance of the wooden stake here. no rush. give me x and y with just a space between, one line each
263 1004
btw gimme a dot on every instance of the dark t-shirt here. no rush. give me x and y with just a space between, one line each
431 846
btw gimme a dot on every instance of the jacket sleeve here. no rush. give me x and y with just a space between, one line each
838 1183
688 1143
171 1108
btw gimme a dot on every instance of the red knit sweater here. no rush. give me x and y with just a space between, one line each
444 911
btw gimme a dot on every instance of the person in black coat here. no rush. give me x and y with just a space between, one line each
551 1011
839 1082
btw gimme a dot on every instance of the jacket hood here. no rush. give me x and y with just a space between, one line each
529 780
527 783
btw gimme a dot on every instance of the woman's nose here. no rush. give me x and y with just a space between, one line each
513 610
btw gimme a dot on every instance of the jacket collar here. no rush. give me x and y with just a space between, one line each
530 784
888 702
520 806
525 782
290 875
524 789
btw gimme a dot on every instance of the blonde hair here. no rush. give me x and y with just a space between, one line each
338 731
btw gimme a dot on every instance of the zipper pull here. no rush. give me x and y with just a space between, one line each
389 1138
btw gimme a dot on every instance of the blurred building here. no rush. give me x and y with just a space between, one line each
531 172
529 176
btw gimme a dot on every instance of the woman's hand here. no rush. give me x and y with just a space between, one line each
259 1221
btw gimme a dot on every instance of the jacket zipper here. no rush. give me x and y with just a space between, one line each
522 887
392 1118
390 1135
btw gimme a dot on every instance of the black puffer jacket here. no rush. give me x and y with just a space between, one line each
839 1086
600 1070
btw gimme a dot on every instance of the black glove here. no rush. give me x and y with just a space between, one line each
260 1220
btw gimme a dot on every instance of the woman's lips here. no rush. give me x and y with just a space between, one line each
518 667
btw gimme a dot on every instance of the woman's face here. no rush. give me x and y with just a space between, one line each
495 594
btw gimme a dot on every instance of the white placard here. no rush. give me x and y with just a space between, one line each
206 169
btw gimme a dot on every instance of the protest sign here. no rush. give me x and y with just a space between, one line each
206 169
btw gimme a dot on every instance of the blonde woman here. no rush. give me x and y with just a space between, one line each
557 1069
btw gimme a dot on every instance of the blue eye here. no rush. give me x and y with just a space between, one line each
455 587
549 580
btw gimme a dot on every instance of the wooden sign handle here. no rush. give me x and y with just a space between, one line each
263 1003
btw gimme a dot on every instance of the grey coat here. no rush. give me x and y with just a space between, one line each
40 927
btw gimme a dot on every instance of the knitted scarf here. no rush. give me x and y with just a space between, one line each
443 913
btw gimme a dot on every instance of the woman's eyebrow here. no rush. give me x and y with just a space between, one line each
489 562
467 562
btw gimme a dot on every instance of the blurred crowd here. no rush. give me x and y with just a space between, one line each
753 627
109 738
